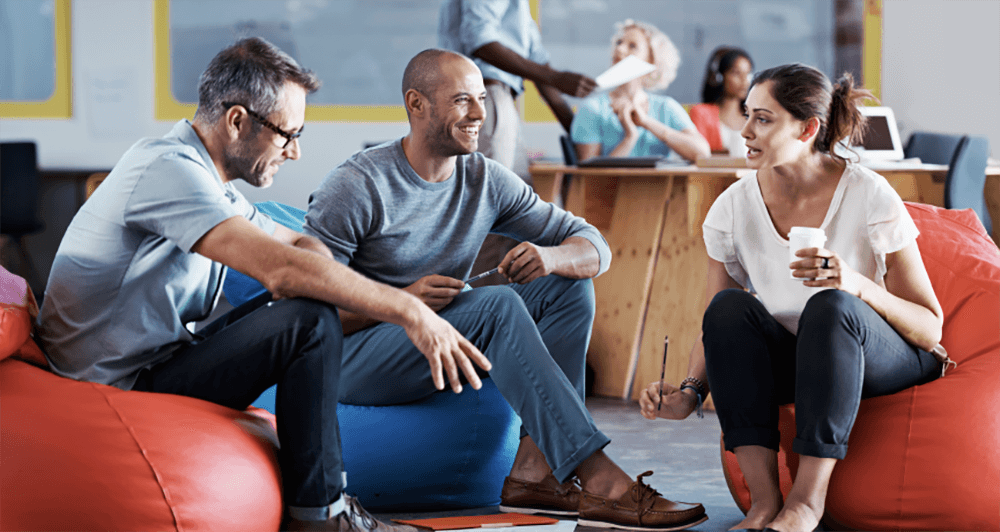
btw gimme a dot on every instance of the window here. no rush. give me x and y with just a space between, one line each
35 67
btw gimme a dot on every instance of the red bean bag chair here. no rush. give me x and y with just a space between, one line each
84 456
925 458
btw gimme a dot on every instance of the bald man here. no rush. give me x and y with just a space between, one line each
412 214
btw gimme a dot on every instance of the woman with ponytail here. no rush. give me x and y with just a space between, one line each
853 318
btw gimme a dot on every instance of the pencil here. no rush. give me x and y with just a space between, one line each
663 370
480 276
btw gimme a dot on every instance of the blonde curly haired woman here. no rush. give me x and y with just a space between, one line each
628 121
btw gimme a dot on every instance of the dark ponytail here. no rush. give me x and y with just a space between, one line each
844 121
807 93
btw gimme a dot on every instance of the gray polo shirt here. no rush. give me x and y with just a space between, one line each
124 283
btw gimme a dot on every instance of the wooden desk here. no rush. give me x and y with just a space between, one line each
652 221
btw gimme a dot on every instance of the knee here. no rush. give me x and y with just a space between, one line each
501 301
828 308
311 316
725 309
580 293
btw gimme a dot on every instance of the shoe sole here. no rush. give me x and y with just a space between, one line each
605 524
533 511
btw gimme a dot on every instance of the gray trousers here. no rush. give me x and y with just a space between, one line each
536 337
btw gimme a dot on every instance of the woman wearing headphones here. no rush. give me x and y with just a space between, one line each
720 118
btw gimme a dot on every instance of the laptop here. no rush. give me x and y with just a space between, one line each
631 162
881 143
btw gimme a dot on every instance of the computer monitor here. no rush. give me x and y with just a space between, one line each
881 139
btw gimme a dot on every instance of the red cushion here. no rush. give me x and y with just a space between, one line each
84 456
926 458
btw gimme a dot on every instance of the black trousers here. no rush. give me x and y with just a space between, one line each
843 352
294 343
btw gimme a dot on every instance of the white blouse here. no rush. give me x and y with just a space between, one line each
865 221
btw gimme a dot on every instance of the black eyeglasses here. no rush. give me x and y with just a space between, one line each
289 137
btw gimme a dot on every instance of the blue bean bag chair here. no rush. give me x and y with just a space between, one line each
447 451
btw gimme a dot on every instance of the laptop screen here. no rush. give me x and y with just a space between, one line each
877 136
881 139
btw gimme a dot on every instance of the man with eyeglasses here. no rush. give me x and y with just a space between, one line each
145 257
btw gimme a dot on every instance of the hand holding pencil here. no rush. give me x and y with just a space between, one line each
662 399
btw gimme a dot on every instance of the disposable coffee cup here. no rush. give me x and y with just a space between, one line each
801 238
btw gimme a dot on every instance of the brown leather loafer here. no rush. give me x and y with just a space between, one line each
545 497
640 508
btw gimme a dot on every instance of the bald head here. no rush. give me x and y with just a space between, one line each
423 72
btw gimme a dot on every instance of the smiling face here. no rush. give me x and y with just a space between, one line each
633 41
736 80
255 156
457 108
773 136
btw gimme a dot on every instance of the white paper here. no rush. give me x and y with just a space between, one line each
623 71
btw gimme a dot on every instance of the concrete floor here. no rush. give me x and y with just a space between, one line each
683 456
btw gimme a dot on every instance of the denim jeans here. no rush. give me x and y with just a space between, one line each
844 352
536 337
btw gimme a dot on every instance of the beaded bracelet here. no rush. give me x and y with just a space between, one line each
699 387
699 411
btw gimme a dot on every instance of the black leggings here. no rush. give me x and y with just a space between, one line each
844 352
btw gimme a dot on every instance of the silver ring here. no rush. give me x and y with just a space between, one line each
826 263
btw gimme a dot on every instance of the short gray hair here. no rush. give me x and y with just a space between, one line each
251 72
666 58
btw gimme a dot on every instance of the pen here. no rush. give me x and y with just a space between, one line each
663 370
482 275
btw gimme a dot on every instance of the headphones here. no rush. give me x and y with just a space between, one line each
716 78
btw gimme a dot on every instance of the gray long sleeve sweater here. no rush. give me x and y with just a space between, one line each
379 217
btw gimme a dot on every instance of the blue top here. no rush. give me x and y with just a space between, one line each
464 26
382 219
595 122
124 283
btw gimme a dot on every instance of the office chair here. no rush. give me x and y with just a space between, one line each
932 148
19 204
966 159
569 159
963 185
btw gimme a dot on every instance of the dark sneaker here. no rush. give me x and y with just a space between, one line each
354 518
640 508
545 497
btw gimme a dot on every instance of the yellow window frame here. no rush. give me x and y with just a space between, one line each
60 104
168 108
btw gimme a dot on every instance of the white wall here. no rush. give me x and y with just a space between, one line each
940 73
941 66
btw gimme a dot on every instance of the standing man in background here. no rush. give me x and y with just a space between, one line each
504 42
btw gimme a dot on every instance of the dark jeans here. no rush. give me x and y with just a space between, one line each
294 343
843 352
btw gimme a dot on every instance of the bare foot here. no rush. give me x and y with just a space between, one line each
797 517
759 515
